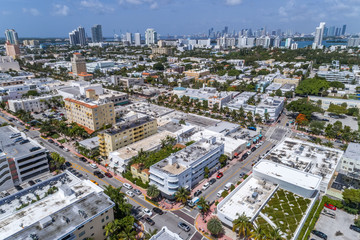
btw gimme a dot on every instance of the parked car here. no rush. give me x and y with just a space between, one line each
212 181
99 174
184 226
147 212
34 149
68 164
242 175
355 228
24 141
82 159
93 165
93 181
50 141
130 193
197 193
319 234
158 211
219 175
137 191
330 206
128 186
31 183
25 130
108 175
18 187
149 221
206 186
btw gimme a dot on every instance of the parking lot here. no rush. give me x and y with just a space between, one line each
330 226
346 120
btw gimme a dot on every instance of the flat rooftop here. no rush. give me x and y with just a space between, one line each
149 109
74 202
249 198
125 124
307 157
288 174
224 127
90 143
193 119
353 151
15 150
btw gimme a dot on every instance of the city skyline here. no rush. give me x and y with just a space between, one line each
174 17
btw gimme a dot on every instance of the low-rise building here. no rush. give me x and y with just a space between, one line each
162 51
118 80
165 234
132 129
139 171
33 104
185 168
196 73
285 80
326 101
8 63
339 76
62 207
350 162
88 113
19 162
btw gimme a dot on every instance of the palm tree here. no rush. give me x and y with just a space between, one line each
182 195
258 234
112 229
203 205
266 116
153 191
275 234
150 234
128 233
242 224
214 226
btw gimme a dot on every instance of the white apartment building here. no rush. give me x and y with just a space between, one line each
340 76
21 162
325 102
8 63
61 207
33 104
185 168
350 162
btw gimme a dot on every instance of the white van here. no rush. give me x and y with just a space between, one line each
228 186
219 193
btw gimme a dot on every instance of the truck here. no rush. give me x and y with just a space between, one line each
192 202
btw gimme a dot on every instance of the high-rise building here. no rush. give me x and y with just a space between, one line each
331 31
12 50
326 31
343 31
150 36
78 64
96 34
137 37
82 36
226 30
11 36
128 37
318 36
277 42
288 42
337 31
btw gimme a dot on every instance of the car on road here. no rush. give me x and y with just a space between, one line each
93 181
68 164
130 193
206 186
62 147
149 221
93 165
99 174
82 159
219 175
66 149
147 211
253 149
244 156
31 183
330 206
197 193
212 181
319 234
38 180
184 226
158 211
137 191
108 175
128 186
25 130
242 175
50 141
18 187
34 149
355 228
56 144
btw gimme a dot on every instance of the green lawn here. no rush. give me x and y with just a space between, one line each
286 210
55 136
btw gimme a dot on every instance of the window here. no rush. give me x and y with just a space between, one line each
82 233
91 227
102 220
107 217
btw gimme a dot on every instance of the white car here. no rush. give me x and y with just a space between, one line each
130 193
93 165
206 186
66 149
128 186
147 212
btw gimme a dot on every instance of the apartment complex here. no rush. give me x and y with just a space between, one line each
185 168
61 207
33 104
326 101
350 162
12 50
132 129
196 73
88 113
78 67
119 80
19 162
162 51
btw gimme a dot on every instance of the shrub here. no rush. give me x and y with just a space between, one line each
232 188
350 210
224 194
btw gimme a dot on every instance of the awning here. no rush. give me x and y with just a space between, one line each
260 136
248 144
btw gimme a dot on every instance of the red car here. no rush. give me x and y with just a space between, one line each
219 175
108 175
330 206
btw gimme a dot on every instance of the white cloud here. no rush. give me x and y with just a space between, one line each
152 4
32 11
233 2
97 6
5 12
61 10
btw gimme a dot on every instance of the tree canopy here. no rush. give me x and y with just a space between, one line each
312 86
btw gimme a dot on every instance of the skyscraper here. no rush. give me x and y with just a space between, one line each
11 36
82 36
288 42
318 36
137 37
343 30
128 37
96 34
331 31
150 36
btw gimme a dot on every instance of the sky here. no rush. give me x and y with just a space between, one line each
56 18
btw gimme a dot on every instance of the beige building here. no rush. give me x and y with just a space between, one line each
130 131
139 171
12 50
78 67
162 51
284 80
197 73
90 113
